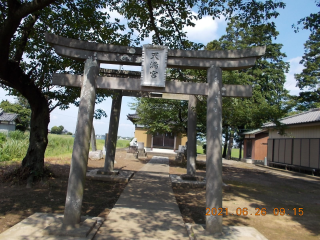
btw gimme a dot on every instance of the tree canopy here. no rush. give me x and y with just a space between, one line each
309 79
27 62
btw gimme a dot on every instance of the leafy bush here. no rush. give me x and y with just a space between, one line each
18 135
3 138
57 130
13 148
204 147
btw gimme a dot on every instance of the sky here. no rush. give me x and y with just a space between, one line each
205 31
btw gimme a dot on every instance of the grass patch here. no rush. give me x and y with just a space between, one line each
234 152
59 145
120 144
199 149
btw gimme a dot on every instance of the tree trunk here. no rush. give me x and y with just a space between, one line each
230 145
93 140
40 117
34 159
224 154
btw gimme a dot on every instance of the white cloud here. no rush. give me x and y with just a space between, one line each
206 29
291 82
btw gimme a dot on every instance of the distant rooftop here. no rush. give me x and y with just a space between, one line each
133 117
310 116
8 116
256 131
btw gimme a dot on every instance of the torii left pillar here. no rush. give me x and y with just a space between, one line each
81 146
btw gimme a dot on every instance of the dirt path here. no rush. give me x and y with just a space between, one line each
278 206
251 191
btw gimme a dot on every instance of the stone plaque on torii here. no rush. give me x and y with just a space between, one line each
94 54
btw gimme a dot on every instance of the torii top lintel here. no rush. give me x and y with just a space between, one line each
115 54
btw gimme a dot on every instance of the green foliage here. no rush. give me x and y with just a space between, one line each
204 148
123 143
18 135
309 79
59 145
3 138
13 149
57 130
23 111
267 78
28 62
161 115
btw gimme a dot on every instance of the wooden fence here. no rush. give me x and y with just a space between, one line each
302 152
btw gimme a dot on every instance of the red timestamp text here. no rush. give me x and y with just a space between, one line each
258 212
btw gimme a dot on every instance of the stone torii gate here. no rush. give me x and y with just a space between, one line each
93 54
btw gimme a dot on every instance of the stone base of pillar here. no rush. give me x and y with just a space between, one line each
114 172
197 231
132 149
181 157
95 155
50 226
123 176
142 153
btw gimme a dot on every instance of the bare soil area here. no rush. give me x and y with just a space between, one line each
276 205
251 191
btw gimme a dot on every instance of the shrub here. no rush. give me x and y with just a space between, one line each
3 138
18 135
204 147
13 148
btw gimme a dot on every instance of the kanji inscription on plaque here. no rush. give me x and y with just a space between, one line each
154 64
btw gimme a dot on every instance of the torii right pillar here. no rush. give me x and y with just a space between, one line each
214 157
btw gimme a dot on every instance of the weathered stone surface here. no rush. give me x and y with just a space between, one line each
72 212
81 230
181 157
133 84
113 131
142 153
214 148
177 181
154 65
123 176
192 136
113 54
228 233
191 177
96 155
132 149
114 172
93 140
33 228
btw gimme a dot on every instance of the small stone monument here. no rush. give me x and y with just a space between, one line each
133 146
141 151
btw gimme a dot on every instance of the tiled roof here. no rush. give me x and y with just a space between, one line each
133 117
256 131
7 116
310 116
